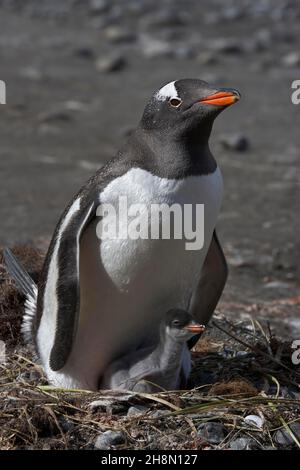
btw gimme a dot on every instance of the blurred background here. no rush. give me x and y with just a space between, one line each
78 74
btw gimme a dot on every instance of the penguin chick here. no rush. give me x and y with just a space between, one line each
160 367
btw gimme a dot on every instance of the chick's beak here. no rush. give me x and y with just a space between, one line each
195 328
223 97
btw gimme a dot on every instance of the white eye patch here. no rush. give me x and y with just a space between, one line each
167 92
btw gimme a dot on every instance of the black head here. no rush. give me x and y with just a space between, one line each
183 107
180 324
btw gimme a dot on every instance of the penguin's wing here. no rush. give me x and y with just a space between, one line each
210 286
61 294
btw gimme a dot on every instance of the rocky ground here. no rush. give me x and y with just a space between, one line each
78 74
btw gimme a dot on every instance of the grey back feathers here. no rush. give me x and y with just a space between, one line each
28 287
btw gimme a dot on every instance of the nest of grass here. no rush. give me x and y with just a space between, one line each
239 369
11 300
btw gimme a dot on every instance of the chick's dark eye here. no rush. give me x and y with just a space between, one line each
176 322
175 102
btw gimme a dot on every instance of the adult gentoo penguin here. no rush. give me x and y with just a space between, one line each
99 299
158 367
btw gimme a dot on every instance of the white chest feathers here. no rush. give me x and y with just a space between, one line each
162 235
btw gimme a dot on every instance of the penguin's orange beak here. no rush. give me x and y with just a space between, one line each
222 98
195 328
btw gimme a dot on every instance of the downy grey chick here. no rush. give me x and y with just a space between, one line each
166 365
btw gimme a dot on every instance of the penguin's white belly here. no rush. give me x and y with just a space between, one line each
160 262
126 285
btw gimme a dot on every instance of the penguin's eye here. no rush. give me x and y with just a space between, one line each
176 322
175 102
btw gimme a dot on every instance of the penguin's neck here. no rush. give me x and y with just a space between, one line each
173 156
170 353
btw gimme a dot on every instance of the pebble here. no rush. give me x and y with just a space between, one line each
73 105
112 407
277 285
165 18
244 354
264 39
284 35
212 18
283 438
159 413
61 115
291 392
110 63
100 404
227 46
236 142
117 35
31 73
207 58
84 52
254 420
232 13
66 425
99 6
292 59
242 443
137 410
152 48
109 439
184 52
214 433
227 352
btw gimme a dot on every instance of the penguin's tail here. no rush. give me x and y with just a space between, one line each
27 286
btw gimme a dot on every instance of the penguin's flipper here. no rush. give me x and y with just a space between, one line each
27 286
210 287
66 271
